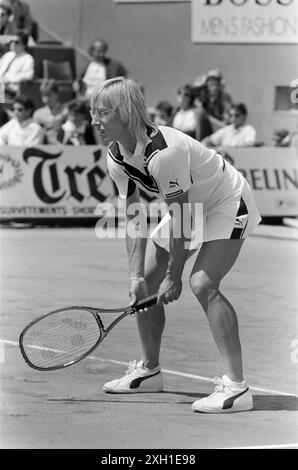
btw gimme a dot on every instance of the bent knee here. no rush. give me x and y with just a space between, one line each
203 288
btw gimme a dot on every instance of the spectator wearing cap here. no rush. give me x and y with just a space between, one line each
17 65
21 130
163 114
185 117
52 115
6 27
217 100
99 69
236 134
212 101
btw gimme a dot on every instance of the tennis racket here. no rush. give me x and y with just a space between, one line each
64 337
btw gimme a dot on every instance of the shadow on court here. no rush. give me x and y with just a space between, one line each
275 402
261 402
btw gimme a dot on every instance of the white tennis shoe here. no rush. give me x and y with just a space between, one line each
228 397
137 379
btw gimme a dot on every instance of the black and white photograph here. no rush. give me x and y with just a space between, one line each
149 229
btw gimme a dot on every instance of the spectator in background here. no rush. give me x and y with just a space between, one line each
22 20
16 65
21 130
99 69
52 115
6 28
185 117
217 102
236 134
77 129
212 102
163 114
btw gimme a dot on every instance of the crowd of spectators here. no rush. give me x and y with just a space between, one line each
203 109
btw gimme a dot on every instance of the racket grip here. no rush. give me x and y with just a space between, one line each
144 303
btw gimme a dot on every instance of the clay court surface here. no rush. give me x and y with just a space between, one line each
47 268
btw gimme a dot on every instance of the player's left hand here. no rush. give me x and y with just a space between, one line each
169 290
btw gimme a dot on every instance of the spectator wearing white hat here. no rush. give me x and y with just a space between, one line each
217 100
212 103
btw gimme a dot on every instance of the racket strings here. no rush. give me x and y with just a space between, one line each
61 338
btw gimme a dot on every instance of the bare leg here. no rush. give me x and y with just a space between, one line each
214 260
151 323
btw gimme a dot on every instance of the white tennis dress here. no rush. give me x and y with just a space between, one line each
229 209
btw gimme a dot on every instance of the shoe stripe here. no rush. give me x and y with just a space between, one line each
228 403
137 382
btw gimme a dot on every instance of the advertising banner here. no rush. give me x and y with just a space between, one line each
245 21
272 173
62 182
53 181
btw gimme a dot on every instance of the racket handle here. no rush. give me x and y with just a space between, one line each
144 303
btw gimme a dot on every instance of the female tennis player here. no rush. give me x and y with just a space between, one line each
168 163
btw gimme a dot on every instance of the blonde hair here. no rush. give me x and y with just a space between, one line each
125 96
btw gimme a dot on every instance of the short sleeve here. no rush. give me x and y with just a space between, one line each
171 170
118 176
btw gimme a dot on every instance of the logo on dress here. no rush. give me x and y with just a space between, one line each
173 184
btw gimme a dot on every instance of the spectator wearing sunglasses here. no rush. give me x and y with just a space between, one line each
17 65
236 134
21 130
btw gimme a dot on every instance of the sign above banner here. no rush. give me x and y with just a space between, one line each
245 21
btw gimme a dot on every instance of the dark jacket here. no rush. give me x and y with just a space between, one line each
113 69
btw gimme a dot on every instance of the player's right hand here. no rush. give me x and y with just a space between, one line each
138 290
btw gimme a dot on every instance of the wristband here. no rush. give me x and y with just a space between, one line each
135 278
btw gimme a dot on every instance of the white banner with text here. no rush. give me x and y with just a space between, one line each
245 21
63 182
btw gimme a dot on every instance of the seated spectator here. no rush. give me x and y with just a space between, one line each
100 68
185 117
52 115
16 65
236 134
213 103
218 102
22 21
21 130
6 28
281 138
163 114
77 129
